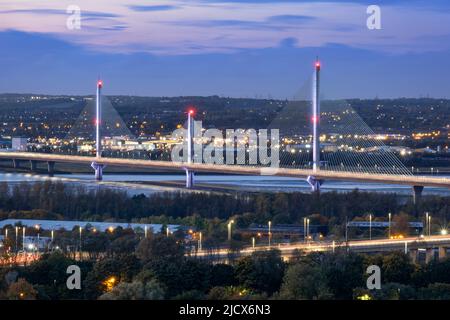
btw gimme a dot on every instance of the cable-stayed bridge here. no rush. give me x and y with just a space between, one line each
355 155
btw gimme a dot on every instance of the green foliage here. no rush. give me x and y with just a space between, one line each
159 246
304 281
135 290
262 271
435 291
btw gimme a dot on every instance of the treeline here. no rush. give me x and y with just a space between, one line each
157 269
56 200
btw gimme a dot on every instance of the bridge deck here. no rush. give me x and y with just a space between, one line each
425 181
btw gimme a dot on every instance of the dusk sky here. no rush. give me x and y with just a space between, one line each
238 48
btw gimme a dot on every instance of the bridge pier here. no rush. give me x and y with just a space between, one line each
16 163
442 253
51 168
189 178
33 165
314 183
429 255
417 193
98 170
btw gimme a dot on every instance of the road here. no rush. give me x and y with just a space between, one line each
363 246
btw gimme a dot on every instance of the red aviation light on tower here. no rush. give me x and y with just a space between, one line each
317 65
191 111
315 119
100 84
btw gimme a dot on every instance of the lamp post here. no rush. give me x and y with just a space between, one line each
167 232
23 238
426 222
200 236
390 216
145 231
253 242
270 233
370 226
80 231
17 238
229 229
307 228
429 225
304 229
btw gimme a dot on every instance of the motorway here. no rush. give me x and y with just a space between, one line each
362 246
411 180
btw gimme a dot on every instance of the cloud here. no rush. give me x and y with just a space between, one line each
291 18
144 8
198 26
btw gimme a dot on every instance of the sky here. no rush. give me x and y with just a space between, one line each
237 48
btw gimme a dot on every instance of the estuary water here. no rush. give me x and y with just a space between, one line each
153 183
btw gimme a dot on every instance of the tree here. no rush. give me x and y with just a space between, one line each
222 275
397 267
305 280
49 275
262 271
435 291
388 291
400 224
21 290
136 290
158 246
179 275
343 273
121 268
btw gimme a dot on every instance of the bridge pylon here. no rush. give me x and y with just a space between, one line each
312 180
190 149
98 167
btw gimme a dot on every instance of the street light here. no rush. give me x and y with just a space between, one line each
426 222
307 228
253 242
23 238
80 230
429 225
370 226
200 236
304 229
17 237
229 229
270 233
390 216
